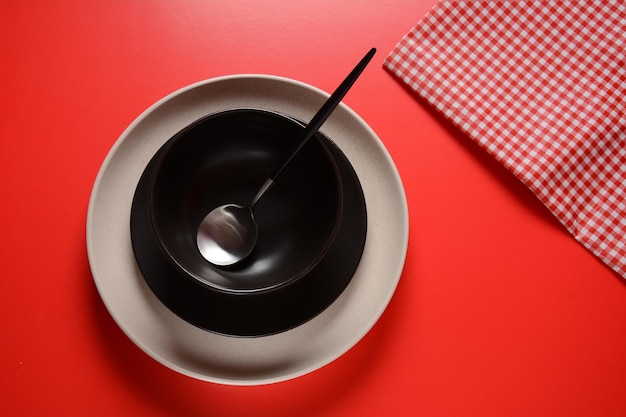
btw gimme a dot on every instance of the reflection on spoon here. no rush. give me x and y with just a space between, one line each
229 233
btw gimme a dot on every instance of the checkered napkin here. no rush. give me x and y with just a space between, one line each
541 86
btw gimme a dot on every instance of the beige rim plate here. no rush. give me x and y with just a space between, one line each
230 360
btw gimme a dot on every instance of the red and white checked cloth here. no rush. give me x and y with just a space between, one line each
541 86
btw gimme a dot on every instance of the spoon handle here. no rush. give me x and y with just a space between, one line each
326 109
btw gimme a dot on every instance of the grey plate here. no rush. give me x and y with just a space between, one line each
230 360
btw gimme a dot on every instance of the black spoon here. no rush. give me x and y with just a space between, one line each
229 232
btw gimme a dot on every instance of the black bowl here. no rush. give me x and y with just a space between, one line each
258 313
224 158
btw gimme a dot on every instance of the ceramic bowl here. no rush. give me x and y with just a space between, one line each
225 157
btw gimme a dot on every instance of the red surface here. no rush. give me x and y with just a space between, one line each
499 311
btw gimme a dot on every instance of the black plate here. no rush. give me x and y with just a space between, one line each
264 313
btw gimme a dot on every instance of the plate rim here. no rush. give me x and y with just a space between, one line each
345 118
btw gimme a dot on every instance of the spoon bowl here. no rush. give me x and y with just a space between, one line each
227 234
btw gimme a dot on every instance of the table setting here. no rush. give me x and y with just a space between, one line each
202 218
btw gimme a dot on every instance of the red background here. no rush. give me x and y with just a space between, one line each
498 312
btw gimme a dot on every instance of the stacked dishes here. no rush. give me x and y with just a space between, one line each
296 269
333 232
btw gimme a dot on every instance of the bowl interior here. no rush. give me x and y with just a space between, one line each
224 158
